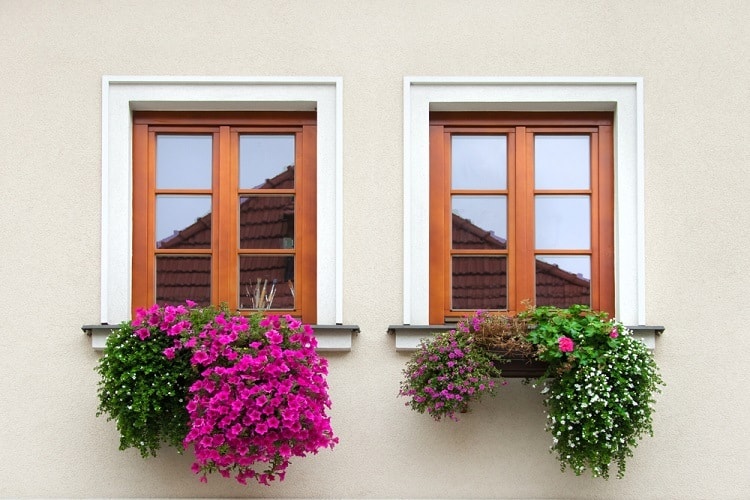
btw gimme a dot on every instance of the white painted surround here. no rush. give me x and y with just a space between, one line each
123 94
624 96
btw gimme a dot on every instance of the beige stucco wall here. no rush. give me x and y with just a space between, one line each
693 57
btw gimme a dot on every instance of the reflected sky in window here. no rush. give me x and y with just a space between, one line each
263 157
184 161
562 161
479 162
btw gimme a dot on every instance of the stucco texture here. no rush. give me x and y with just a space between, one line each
694 59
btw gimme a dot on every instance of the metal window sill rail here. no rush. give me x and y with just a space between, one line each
409 336
331 338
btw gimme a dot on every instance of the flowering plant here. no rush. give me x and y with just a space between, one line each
600 401
599 384
251 391
448 372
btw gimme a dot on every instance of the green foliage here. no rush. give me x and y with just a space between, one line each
589 330
600 401
144 391
138 389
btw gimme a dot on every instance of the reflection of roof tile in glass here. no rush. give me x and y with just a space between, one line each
196 235
477 282
465 234
183 277
557 287
265 222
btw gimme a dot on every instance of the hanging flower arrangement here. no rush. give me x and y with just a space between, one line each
447 373
600 382
248 394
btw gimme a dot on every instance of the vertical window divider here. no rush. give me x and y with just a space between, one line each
596 215
225 234
526 259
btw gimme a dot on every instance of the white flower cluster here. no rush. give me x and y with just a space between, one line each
599 411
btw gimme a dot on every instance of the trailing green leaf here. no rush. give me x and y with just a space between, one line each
142 389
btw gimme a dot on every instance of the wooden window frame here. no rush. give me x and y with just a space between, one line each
226 128
520 129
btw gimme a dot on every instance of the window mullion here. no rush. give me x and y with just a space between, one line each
595 217
512 214
524 203
224 240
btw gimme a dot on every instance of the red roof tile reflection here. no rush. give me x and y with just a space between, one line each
266 221
480 282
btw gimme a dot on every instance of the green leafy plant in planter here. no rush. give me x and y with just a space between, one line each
599 390
599 385
246 394
143 390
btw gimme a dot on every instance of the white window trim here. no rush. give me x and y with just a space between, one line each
624 96
123 94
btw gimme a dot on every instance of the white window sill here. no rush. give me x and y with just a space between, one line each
409 336
331 338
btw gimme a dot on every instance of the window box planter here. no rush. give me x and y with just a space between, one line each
407 338
521 367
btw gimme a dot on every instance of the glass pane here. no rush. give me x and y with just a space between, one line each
179 278
183 221
479 282
267 222
184 161
479 161
479 222
263 160
562 161
563 280
266 282
562 222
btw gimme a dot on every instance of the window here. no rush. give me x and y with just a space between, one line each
521 208
224 210
122 96
623 97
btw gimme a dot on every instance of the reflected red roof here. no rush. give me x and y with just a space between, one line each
481 282
266 221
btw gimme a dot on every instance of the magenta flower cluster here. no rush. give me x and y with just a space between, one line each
565 344
260 396
448 372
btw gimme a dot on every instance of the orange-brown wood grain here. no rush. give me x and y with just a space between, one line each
225 128
520 129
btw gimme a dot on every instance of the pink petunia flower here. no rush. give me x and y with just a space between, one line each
274 337
143 333
566 344
614 333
